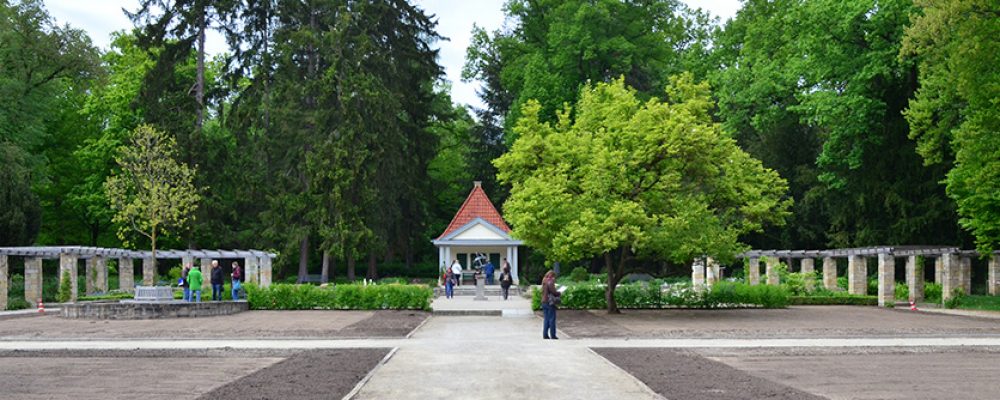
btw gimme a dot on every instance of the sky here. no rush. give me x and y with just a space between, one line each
455 19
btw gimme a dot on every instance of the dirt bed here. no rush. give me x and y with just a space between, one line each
686 375
794 322
246 325
326 374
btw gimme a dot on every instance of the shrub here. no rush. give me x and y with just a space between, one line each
339 297
846 300
795 283
902 291
932 292
65 291
682 295
579 274
956 298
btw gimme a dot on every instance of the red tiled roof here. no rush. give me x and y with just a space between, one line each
477 205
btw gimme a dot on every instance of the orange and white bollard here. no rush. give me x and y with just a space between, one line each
913 306
41 306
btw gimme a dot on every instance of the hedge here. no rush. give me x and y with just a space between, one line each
638 296
854 300
340 297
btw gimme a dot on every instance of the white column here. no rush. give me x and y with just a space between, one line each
265 271
68 265
915 279
148 272
442 259
950 266
3 282
993 286
857 275
126 279
830 273
772 271
33 280
753 271
698 275
886 280
250 269
808 267
513 263
206 274
967 275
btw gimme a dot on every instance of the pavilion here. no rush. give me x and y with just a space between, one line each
477 228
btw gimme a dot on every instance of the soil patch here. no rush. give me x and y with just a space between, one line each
793 322
245 325
326 374
686 375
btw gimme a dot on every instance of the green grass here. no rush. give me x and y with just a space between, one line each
978 302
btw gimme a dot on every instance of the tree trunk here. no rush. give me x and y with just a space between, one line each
409 256
95 232
153 240
303 259
325 275
350 264
372 274
609 291
199 88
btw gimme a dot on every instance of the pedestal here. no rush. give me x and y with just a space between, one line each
480 287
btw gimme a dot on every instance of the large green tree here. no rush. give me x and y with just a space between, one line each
955 115
816 90
621 179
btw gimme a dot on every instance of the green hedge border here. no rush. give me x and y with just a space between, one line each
340 297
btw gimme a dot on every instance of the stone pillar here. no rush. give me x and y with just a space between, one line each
698 275
938 268
68 265
102 274
886 280
966 275
33 280
90 276
250 270
711 272
950 266
206 274
3 282
994 275
753 271
915 279
808 269
148 272
830 274
772 270
265 271
514 264
126 277
187 260
857 275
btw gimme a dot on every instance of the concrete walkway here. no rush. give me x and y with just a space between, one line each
514 306
497 358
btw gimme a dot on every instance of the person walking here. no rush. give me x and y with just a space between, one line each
217 281
449 284
505 281
456 269
490 269
237 280
195 280
184 282
550 298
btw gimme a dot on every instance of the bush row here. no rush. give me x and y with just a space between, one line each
850 300
339 297
638 296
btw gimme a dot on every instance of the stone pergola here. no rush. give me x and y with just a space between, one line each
952 267
257 266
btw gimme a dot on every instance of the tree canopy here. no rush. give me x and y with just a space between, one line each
623 178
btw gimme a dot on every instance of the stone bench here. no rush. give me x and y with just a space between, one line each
154 293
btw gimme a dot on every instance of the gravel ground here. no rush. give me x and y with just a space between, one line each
327 374
793 322
245 325
686 375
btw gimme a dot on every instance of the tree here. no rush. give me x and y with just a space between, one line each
20 215
954 116
625 179
153 194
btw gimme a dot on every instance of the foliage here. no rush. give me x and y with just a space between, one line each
932 292
641 296
975 302
579 274
626 179
957 298
954 114
65 290
153 194
795 282
838 300
339 297
20 215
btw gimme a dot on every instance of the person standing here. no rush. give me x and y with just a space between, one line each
449 284
184 282
217 281
550 297
456 269
490 269
505 281
195 280
237 280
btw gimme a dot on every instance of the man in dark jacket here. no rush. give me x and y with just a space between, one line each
217 281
